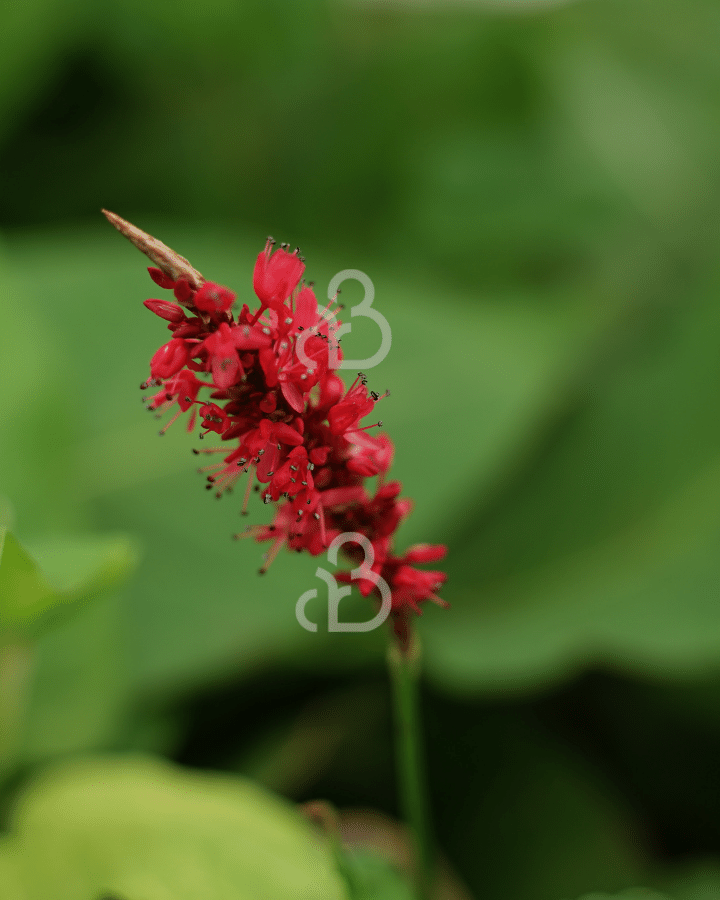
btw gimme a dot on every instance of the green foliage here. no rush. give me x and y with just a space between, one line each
607 549
638 894
74 571
373 878
140 829
34 601
535 196
24 593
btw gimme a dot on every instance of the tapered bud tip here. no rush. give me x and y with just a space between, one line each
167 260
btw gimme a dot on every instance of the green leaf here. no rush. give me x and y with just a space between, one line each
374 878
55 702
633 894
74 570
530 819
604 550
79 696
25 595
84 566
697 881
140 829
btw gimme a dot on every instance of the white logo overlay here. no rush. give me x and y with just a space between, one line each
364 308
335 593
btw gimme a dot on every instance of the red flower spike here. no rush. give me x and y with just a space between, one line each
287 424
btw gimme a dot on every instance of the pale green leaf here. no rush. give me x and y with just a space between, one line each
140 829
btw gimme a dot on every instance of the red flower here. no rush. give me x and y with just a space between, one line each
224 360
354 406
276 275
169 359
286 421
213 298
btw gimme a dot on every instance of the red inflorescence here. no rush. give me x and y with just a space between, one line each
292 428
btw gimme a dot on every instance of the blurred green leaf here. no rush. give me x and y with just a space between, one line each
82 567
80 692
25 595
634 894
530 819
144 830
74 570
605 548
697 882
38 714
374 878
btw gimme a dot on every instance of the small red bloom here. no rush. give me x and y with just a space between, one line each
213 298
276 275
224 360
214 418
356 404
169 359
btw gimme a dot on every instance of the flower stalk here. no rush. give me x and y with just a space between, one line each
404 667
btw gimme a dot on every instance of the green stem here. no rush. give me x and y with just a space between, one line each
15 664
404 665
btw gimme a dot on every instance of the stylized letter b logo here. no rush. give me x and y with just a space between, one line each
364 308
335 593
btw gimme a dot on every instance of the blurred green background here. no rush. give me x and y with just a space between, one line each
534 190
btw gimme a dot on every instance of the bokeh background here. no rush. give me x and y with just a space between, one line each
534 190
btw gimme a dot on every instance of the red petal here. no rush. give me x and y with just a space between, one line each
319 455
267 461
288 435
363 466
306 309
183 291
226 370
269 364
293 396
246 338
425 552
160 278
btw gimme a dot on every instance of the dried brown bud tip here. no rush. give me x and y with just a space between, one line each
170 262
